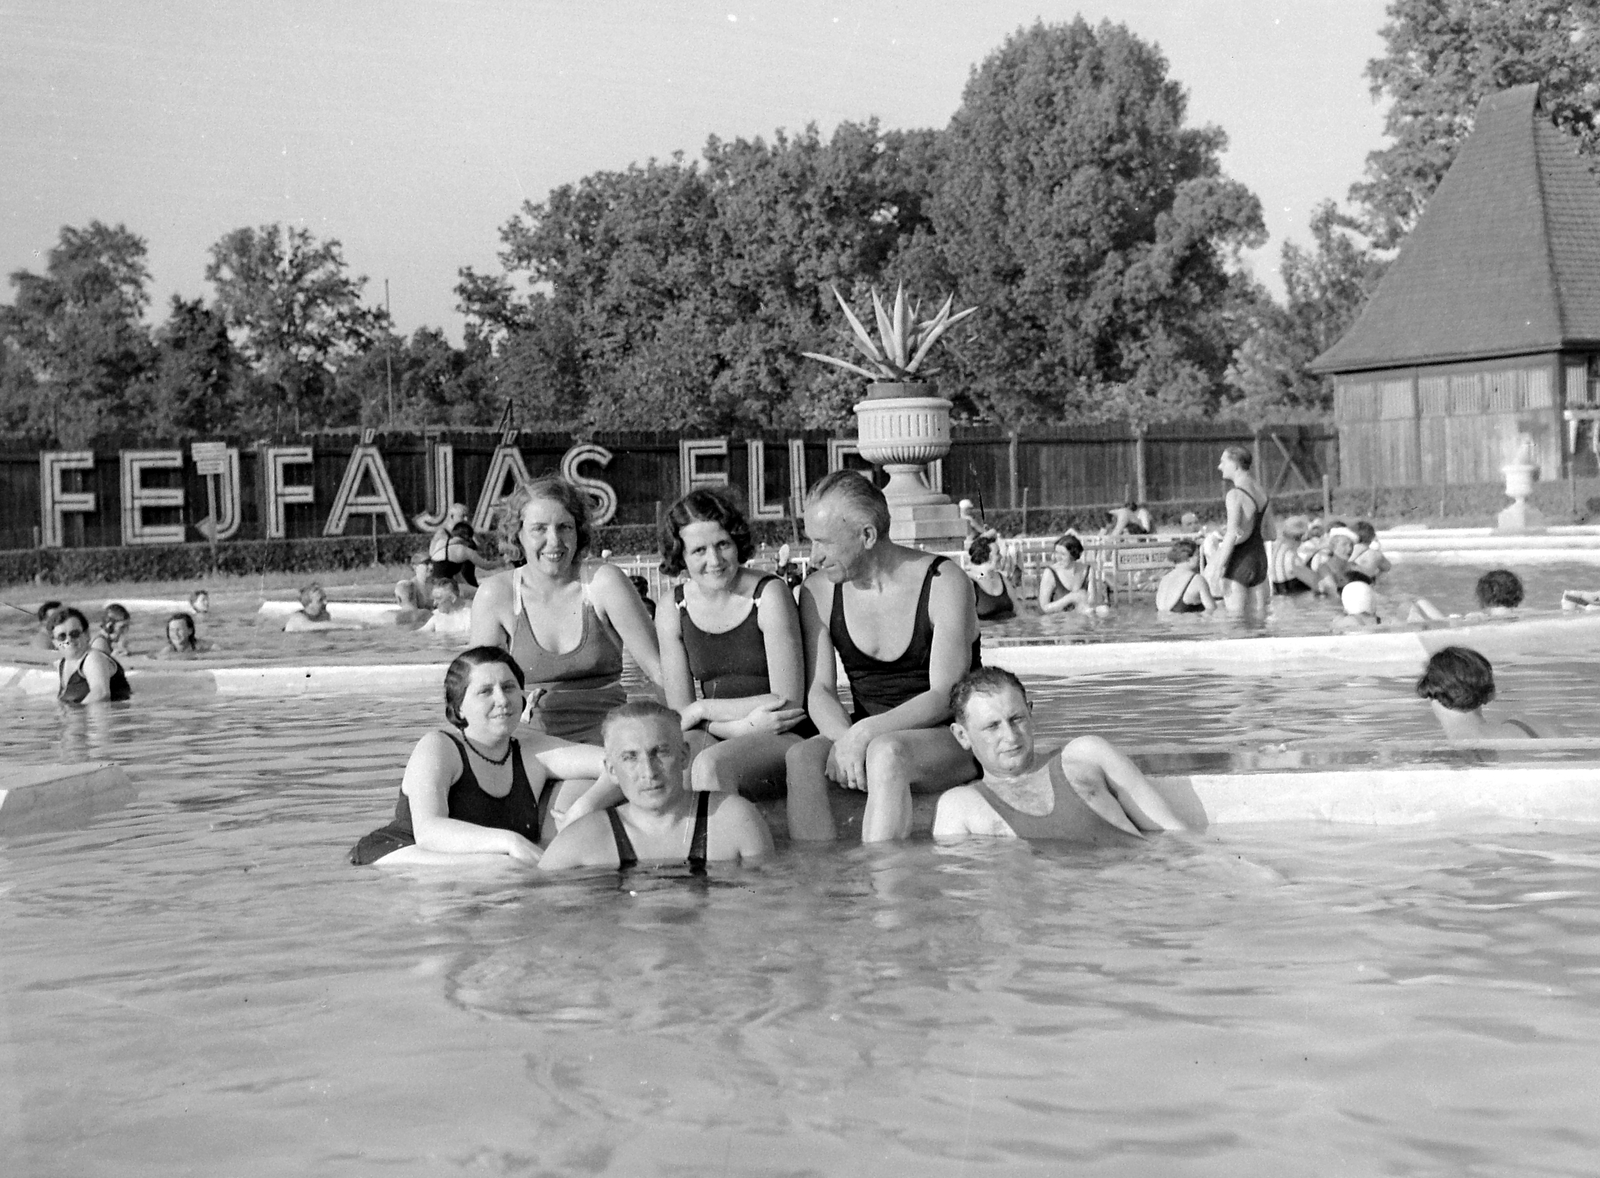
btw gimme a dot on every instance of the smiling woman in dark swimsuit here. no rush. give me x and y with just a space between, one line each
471 789
85 675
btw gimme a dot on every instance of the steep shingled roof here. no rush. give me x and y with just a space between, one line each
1504 261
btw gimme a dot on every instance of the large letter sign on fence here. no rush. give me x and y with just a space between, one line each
597 491
442 479
690 453
138 498
220 461
505 462
279 492
54 503
365 464
756 450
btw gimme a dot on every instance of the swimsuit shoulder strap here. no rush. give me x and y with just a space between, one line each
625 856
697 842
1524 727
468 777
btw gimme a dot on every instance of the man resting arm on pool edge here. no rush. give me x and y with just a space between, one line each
662 820
1087 793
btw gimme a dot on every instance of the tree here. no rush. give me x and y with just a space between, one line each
76 345
1093 228
190 387
295 313
1325 289
1442 57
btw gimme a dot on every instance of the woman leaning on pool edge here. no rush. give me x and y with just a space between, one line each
735 632
565 632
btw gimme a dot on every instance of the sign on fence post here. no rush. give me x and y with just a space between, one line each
210 461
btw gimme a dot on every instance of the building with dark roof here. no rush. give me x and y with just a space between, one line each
1486 327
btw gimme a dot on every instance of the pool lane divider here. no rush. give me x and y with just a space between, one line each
58 797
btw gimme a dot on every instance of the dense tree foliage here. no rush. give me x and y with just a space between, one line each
77 350
1095 230
1441 58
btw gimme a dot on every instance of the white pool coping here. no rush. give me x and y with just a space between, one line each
43 797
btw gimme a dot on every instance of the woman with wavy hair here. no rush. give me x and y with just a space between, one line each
566 629
733 633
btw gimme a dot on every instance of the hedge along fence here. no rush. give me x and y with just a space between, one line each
192 562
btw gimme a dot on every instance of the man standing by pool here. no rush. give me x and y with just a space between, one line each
1088 793
904 625
662 820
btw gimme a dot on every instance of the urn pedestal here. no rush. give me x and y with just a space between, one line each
1520 516
902 434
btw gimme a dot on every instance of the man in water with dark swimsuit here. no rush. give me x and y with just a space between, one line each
663 821
1088 793
904 625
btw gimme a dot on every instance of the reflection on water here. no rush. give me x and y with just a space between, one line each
199 983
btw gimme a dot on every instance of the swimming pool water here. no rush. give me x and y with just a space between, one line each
199 983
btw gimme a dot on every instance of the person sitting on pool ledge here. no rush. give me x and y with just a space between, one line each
662 820
1087 793
84 674
313 613
477 790
1458 682
902 600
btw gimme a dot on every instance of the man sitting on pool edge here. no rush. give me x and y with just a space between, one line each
1088 793
662 818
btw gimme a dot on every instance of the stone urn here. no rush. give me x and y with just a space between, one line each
902 427
1520 516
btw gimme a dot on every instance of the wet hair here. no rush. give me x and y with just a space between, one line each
639 709
1499 587
1242 458
459 674
116 613
187 620
861 501
702 506
980 549
44 611
983 681
1365 532
63 612
555 489
1460 679
1072 544
308 591
1182 551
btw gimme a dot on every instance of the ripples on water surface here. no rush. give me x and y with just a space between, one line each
198 983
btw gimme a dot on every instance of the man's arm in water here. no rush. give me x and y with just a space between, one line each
1140 801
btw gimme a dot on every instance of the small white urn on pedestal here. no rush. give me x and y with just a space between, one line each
1520 516
902 428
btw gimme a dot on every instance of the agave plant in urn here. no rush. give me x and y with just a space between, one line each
903 424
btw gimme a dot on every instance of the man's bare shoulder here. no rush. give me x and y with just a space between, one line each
962 811
585 843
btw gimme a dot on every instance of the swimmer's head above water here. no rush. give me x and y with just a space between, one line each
313 600
200 602
180 632
646 752
992 718
1457 678
1499 589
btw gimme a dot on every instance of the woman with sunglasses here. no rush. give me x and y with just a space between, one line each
85 674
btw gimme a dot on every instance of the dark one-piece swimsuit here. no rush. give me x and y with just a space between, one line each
1247 564
697 841
877 685
993 606
1070 820
1188 607
75 688
519 810
731 664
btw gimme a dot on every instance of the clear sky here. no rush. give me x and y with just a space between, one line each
411 130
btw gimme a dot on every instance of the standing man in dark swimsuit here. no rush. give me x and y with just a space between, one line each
1088 793
904 625
1242 556
662 821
